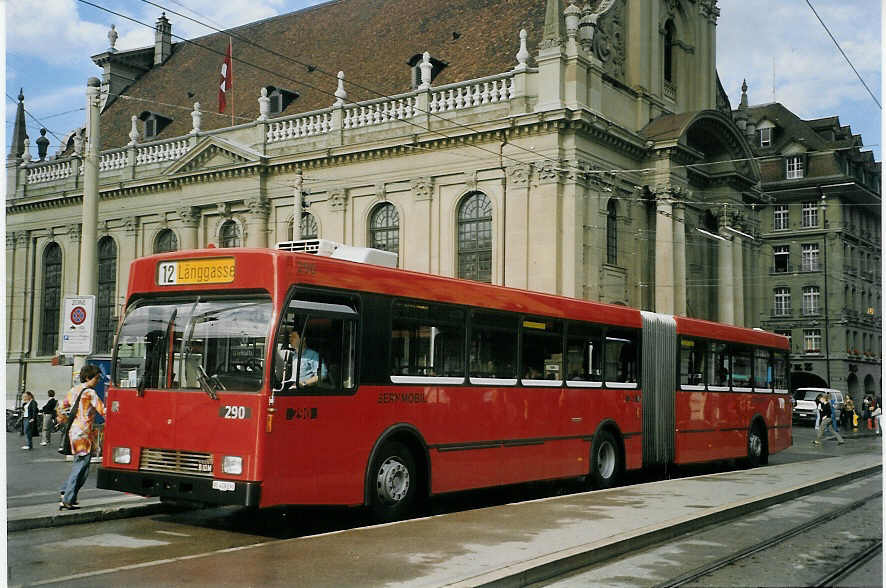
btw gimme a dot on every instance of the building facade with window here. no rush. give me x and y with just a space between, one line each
821 245
528 143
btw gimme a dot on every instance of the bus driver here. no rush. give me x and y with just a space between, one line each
310 368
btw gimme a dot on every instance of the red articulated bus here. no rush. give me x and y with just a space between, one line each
262 377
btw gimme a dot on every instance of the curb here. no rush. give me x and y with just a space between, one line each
85 515
552 565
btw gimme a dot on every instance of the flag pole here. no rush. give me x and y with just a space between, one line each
231 51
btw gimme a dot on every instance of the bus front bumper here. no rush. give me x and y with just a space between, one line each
180 487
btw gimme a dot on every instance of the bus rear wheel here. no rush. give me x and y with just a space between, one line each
757 453
394 482
606 461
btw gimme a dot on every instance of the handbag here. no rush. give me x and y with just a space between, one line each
65 447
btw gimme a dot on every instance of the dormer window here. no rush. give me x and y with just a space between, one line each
415 63
154 123
766 137
280 99
794 167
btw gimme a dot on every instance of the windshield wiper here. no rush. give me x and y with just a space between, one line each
208 383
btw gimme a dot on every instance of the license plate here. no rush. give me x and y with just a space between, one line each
216 270
223 485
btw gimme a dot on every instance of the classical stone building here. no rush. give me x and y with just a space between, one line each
821 261
582 149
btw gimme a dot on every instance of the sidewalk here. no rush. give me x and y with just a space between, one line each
33 479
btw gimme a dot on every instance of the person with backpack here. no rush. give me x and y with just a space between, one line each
824 408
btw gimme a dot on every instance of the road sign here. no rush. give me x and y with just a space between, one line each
78 325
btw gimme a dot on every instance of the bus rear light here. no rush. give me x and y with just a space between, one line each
122 455
232 465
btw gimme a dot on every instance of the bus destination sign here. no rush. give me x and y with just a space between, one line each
215 270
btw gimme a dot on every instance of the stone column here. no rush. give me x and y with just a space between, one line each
17 274
572 234
417 256
544 227
190 223
726 289
257 222
679 258
71 261
127 252
516 220
664 253
738 272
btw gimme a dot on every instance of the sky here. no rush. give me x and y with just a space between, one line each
779 46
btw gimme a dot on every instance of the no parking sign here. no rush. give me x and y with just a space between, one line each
77 325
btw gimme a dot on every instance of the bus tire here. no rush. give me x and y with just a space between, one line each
394 483
757 452
606 461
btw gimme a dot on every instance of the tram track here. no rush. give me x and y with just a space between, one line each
802 528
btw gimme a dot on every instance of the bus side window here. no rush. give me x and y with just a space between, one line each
584 353
762 369
692 354
493 345
427 340
542 349
742 365
621 356
718 365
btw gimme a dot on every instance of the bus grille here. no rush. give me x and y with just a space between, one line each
181 462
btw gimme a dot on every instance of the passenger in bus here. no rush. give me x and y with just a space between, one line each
310 368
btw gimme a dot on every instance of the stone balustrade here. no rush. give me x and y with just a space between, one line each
490 90
379 111
302 125
49 172
459 96
161 151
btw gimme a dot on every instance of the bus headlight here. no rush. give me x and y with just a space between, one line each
122 455
232 464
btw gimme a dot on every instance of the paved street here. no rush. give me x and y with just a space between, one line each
466 541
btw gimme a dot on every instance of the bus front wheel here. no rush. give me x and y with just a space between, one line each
394 483
606 461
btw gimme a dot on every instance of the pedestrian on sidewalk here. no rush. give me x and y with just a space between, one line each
824 409
82 431
849 416
29 419
48 417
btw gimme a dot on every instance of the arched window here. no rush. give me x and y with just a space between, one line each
165 241
308 226
611 234
105 321
384 228
670 37
230 234
52 293
475 238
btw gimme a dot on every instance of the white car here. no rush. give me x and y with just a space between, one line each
804 402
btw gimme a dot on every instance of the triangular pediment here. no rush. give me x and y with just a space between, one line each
213 154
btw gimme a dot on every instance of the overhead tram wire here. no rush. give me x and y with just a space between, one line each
38 121
379 94
846 57
306 85
558 163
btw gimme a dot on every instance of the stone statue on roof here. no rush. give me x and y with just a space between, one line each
112 37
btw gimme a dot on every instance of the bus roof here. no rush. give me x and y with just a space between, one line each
275 271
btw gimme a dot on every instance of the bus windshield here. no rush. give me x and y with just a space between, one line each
209 343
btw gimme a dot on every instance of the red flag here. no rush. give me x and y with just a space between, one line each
226 81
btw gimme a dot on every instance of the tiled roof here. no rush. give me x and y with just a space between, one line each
370 40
